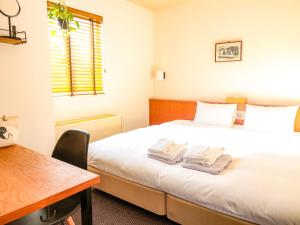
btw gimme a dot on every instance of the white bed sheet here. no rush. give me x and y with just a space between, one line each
262 185
125 155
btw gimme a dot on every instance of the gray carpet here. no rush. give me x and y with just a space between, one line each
108 210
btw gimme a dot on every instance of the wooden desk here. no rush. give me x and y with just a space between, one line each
30 181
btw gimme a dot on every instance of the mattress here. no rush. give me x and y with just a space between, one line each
262 185
125 155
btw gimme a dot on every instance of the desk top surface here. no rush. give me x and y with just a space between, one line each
30 181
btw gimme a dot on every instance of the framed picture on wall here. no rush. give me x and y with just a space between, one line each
228 51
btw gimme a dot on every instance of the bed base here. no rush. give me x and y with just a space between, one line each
187 213
160 203
139 195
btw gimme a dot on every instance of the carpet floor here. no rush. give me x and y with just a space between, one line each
109 210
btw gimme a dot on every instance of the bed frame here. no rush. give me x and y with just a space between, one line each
158 202
137 194
161 203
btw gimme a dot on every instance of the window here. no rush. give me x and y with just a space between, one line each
76 58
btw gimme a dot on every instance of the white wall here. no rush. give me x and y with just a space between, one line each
184 47
128 56
25 87
25 79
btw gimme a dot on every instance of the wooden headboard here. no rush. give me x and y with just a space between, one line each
163 110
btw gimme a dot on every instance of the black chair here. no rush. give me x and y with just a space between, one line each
71 148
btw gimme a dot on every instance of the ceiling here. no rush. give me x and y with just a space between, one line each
156 4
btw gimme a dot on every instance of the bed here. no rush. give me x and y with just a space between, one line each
260 186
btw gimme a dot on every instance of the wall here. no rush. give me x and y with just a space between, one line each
25 86
25 78
128 57
184 47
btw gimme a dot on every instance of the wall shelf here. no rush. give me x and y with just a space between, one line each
12 41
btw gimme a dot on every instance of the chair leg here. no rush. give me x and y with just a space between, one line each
70 221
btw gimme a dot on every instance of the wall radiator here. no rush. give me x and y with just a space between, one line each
99 127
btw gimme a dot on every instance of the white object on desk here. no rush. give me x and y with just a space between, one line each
9 130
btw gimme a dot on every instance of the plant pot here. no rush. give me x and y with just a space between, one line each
63 24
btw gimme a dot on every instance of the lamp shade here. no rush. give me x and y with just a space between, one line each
160 75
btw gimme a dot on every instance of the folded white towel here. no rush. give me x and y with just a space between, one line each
178 159
160 145
167 149
205 156
219 166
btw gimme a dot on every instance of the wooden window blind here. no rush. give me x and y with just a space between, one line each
76 58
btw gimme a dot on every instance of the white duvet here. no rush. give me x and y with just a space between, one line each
262 185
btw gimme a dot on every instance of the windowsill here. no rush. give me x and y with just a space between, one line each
77 95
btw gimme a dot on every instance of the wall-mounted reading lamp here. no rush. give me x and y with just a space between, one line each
160 75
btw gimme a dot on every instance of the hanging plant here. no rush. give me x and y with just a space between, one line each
60 13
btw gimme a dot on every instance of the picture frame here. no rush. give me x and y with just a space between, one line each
228 51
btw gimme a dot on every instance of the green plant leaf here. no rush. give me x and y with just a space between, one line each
53 32
77 24
61 12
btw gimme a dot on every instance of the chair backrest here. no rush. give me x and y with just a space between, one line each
72 148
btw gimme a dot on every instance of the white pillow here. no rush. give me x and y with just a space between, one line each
270 119
215 114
